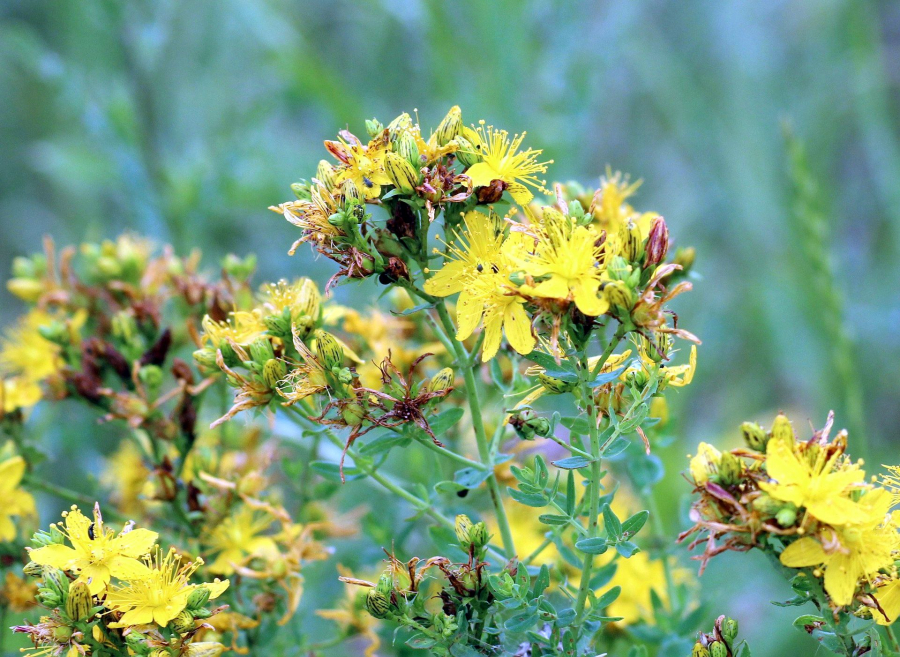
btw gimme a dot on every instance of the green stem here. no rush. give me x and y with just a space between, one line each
585 374
571 448
481 439
892 638
446 453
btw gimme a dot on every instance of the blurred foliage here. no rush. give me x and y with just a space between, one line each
185 120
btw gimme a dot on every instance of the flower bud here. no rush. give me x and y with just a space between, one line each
62 633
32 569
730 469
56 581
206 358
441 381
685 257
27 289
374 127
449 127
136 643
198 597
401 173
787 516
151 376
274 370
766 505
754 436
239 268
517 278
406 147
328 350
699 650
718 649
308 300
49 598
632 244
538 426
326 174
466 152
301 191
463 526
399 125
478 535
782 430
377 603
729 630
203 649
261 350
78 602
353 414
183 622
350 194
554 385
278 325
657 243
619 294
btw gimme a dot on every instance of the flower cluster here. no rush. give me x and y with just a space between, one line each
809 504
106 591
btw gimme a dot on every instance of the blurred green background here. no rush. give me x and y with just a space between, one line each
185 120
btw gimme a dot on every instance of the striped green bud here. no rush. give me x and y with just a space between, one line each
198 597
729 630
350 194
274 370
465 152
618 294
78 602
699 650
183 622
326 174
441 381
463 526
261 350
754 436
554 385
328 350
632 245
377 603
374 128
449 127
401 173
407 148
718 649
204 649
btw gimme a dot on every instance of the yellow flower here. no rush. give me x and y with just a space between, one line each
569 256
97 553
160 594
311 216
17 593
610 210
502 161
479 271
852 552
888 597
24 352
15 501
364 166
18 393
238 537
302 297
705 463
241 327
822 486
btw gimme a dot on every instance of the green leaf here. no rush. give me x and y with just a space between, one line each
570 493
612 523
445 420
553 519
603 576
576 424
413 310
521 621
633 525
808 619
383 443
561 371
607 377
471 477
420 641
528 499
596 545
448 487
607 598
645 470
627 549
572 463
616 447
462 650
541 582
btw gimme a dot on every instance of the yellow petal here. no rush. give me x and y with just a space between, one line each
493 321
128 568
11 472
804 552
585 294
889 599
136 543
469 309
482 174
450 279
518 328
554 287
217 587
841 576
58 556
520 193
96 576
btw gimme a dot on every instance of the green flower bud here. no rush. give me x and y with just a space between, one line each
685 257
730 469
478 535
766 505
517 278
466 152
274 370
57 582
33 569
787 516
632 245
406 147
308 300
27 289
261 350
554 385
303 326
374 128
62 633
350 194
449 127
78 602
754 436
301 191
239 268
49 598
399 125
328 350
279 325
619 294
441 381
718 649
401 173
206 358
183 622
353 414
782 429
198 598
463 526
377 603
539 426
729 630
151 376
